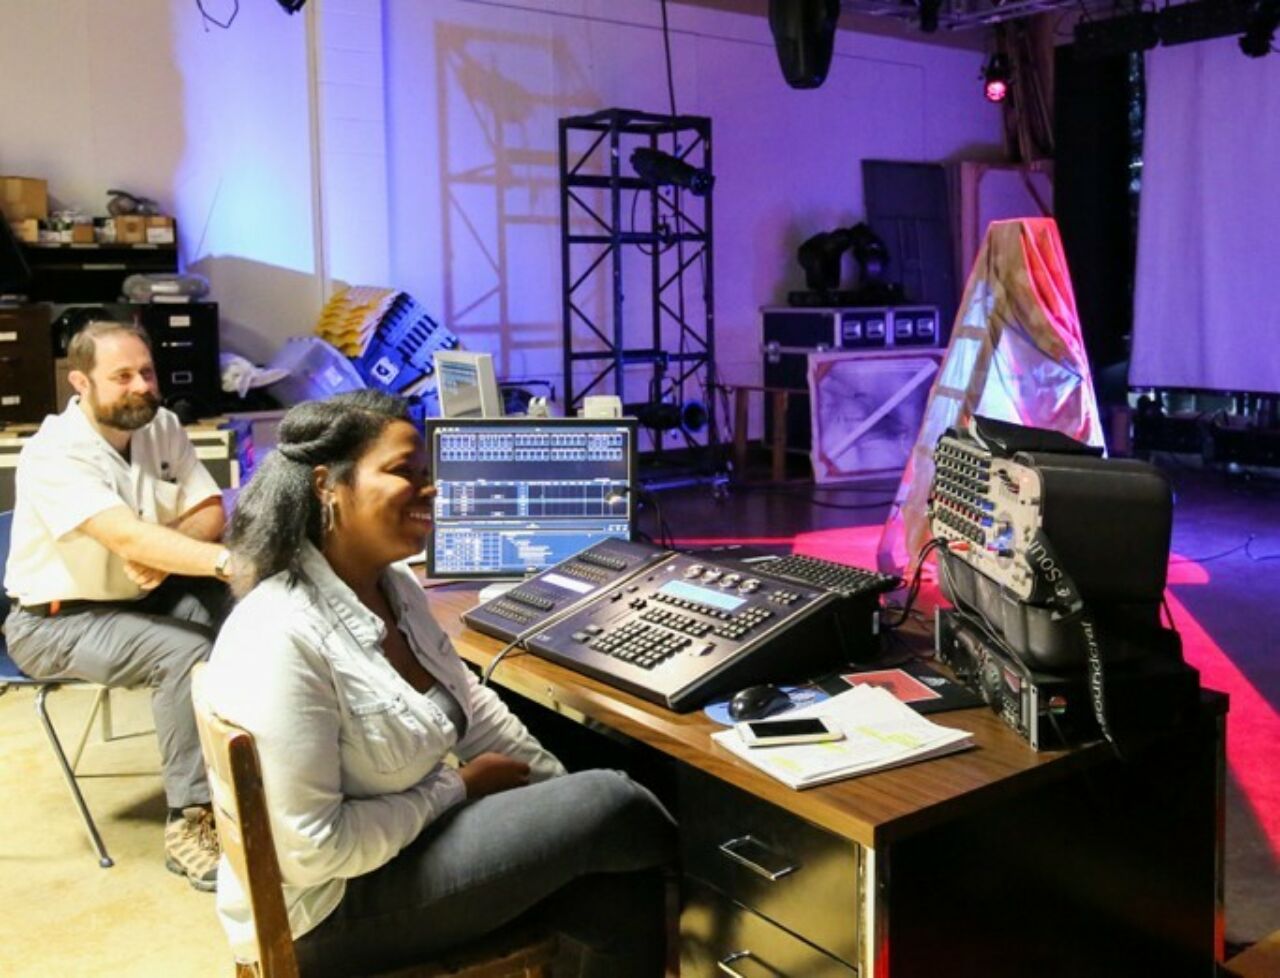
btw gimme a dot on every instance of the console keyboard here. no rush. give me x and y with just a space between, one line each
841 578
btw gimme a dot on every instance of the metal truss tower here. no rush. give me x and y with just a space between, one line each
670 344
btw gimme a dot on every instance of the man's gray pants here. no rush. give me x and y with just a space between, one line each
152 642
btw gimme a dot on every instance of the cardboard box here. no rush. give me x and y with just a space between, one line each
28 230
82 234
160 229
24 197
131 229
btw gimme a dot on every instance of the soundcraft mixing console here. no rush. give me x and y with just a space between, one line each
679 629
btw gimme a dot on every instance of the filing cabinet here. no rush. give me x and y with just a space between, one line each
185 348
765 886
721 938
26 363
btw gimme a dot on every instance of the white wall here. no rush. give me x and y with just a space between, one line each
438 146
212 124
475 89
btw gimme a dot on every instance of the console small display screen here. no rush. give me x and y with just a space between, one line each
703 595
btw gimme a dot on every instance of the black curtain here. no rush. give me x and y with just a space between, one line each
1092 200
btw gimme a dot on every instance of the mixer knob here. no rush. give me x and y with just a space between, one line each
992 688
693 570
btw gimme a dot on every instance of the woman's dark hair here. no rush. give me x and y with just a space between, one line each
278 509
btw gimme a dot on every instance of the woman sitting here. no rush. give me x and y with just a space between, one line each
355 696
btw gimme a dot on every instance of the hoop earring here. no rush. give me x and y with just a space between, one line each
328 516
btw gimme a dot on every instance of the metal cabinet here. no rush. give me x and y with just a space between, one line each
764 885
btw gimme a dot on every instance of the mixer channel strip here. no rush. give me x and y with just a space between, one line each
597 568
961 487
522 605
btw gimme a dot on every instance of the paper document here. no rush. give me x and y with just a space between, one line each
879 732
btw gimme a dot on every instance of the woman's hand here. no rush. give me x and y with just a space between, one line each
487 774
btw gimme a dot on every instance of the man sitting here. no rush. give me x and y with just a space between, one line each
110 501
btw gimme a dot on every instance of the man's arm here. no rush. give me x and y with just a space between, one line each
203 521
161 547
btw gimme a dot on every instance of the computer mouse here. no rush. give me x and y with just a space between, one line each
758 702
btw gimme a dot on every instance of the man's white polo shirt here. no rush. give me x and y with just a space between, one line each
67 473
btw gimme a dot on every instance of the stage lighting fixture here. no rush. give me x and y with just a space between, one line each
871 254
291 6
804 35
1260 28
661 169
996 78
820 257
667 415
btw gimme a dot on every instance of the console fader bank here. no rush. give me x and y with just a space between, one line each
679 629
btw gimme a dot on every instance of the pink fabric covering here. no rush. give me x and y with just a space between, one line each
1016 354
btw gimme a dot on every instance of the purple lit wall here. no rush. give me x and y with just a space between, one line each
436 147
474 94
213 124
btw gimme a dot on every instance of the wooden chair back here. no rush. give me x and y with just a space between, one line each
244 832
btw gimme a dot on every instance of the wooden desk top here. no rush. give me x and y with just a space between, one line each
872 810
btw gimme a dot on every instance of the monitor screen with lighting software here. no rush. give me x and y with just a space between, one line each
467 385
514 496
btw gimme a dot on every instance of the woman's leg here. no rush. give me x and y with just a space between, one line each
581 840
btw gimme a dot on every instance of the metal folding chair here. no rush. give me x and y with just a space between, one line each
12 676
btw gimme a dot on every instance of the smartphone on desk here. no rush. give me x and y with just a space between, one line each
767 733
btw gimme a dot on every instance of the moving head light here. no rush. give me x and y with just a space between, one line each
661 169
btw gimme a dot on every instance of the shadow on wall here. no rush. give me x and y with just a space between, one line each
499 190
269 312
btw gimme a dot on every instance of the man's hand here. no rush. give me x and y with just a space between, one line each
490 773
147 578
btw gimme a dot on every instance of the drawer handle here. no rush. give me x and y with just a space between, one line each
726 963
736 850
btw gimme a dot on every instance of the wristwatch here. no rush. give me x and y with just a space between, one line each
222 566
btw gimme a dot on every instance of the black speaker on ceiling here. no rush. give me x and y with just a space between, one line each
804 35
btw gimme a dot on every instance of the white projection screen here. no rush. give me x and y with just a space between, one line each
1209 226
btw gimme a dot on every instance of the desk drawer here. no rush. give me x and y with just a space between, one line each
718 938
780 866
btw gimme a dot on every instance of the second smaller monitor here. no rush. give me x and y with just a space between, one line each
467 385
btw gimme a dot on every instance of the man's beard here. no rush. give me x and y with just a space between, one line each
129 413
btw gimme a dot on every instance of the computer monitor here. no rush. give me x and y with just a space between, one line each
514 496
467 385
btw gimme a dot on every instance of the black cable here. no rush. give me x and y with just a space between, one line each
665 538
1218 556
488 670
914 589
210 19
666 45
1249 553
